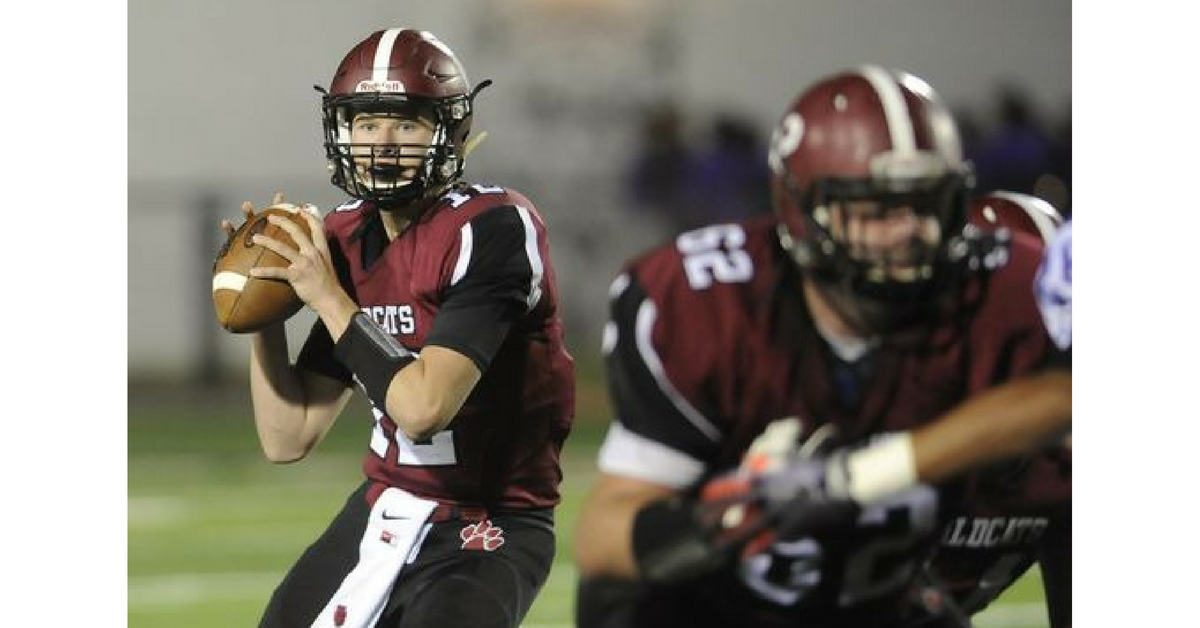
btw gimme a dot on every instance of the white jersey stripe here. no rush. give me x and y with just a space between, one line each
646 316
895 110
466 242
536 268
632 455
383 55
618 285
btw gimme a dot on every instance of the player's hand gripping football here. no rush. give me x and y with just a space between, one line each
310 272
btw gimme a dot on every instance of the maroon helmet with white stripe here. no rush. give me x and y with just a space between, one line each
882 139
403 71
1015 212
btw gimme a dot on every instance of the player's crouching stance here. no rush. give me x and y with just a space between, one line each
766 375
438 298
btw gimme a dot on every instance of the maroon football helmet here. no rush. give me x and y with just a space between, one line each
1016 212
398 71
877 138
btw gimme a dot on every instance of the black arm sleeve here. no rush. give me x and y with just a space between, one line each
499 286
317 355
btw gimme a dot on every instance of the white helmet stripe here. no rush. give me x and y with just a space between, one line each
895 111
383 55
945 133
1041 212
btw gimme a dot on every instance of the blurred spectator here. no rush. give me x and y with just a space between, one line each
730 179
1019 152
1055 186
660 173
688 188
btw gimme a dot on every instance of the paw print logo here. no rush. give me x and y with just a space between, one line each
482 536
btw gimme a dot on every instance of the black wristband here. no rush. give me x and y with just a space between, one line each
670 545
373 356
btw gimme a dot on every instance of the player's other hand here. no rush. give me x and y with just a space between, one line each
783 488
807 496
310 272
227 225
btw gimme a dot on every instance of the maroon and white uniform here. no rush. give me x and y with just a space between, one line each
710 340
476 260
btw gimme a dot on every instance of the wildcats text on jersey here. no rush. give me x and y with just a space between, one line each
394 319
994 531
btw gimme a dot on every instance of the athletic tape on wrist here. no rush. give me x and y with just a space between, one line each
885 467
373 356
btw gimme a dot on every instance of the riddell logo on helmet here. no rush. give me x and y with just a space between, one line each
379 86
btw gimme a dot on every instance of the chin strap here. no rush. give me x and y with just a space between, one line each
474 142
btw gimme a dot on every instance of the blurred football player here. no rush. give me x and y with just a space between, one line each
750 362
438 298
1021 417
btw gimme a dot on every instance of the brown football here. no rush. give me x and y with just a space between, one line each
246 304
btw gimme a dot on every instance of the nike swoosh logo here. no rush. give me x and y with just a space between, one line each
387 516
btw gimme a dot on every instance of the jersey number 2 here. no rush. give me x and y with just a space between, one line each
438 450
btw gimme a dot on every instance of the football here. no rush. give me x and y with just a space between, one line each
246 304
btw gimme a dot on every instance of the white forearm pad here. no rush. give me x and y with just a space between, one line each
885 467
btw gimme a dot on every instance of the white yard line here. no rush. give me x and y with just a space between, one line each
157 510
188 588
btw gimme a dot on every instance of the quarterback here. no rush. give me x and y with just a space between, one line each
437 298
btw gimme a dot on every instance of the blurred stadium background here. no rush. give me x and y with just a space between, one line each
612 115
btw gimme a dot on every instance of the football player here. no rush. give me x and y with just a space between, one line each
438 298
866 306
1027 414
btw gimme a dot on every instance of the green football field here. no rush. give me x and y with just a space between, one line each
213 526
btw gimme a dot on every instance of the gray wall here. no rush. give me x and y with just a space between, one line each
221 107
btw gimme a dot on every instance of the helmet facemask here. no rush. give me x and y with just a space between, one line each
879 246
386 172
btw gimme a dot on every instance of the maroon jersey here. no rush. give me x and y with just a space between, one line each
1010 517
710 340
477 261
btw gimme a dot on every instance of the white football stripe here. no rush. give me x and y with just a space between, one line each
229 280
618 285
904 139
383 55
945 131
632 455
465 244
536 268
1038 210
646 316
